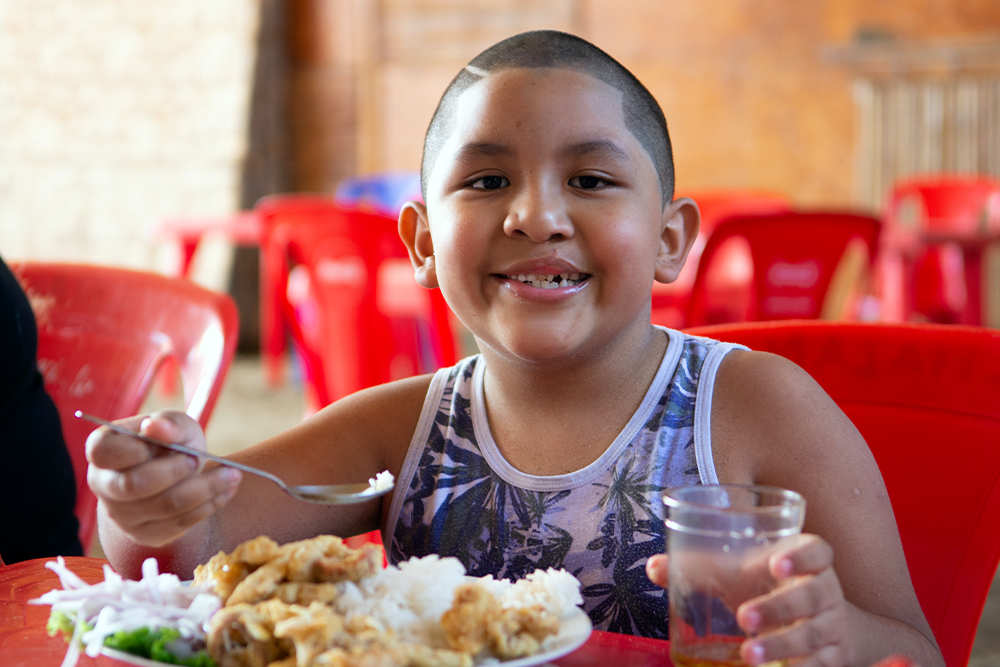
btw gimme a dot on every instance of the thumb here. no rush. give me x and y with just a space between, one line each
656 570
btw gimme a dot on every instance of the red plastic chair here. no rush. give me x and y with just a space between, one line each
103 334
926 398
794 258
939 227
360 319
274 268
670 300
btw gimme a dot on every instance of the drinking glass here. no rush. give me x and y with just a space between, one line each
719 539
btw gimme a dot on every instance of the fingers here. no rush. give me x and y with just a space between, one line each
151 493
831 655
114 451
165 516
816 642
806 616
657 570
804 597
804 554
140 481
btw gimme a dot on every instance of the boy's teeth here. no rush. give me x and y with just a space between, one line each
549 281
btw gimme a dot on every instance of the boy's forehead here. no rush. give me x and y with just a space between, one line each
568 100
554 85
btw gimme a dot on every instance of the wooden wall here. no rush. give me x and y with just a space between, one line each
751 94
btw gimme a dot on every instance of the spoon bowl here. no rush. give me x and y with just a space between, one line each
324 494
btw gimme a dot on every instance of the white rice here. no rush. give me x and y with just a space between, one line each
411 598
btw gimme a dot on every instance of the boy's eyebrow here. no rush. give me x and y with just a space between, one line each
596 146
483 149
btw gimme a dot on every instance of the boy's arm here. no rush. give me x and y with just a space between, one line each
773 424
156 504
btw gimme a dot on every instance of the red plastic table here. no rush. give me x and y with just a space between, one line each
241 228
25 643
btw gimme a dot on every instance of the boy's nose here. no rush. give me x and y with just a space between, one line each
539 213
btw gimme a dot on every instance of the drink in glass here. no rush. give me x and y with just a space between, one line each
719 539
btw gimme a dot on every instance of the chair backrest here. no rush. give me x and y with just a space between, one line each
945 202
800 264
670 301
370 321
271 211
103 334
926 398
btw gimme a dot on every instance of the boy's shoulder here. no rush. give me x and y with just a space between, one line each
773 423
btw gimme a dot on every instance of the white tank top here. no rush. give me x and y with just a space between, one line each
461 498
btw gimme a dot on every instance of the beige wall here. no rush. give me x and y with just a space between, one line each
114 113
751 97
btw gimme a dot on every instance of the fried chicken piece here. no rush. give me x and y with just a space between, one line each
477 621
305 593
352 565
242 636
257 551
398 655
519 632
302 555
223 573
418 655
259 584
311 629
361 656
466 624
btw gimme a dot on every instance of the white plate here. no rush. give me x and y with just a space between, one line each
574 630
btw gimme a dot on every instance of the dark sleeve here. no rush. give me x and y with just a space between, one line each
37 489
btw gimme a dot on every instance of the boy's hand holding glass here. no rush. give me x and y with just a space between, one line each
739 568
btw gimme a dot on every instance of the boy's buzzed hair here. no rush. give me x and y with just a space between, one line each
551 48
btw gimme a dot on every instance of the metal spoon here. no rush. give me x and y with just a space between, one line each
328 494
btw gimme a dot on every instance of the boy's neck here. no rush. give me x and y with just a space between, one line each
554 418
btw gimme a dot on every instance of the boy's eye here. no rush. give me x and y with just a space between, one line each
587 182
490 183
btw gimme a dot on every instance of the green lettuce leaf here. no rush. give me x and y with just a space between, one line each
153 644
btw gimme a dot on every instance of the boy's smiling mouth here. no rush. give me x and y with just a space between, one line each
548 281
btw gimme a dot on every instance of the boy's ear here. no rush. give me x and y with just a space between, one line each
416 234
678 230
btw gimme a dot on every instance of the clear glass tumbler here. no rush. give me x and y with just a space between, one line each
719 539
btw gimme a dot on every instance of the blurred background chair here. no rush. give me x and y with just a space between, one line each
272 211
938 227
103 334
926 398
343 284
798 265
670 300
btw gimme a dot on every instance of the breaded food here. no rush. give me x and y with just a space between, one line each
281 610
257 569
476 621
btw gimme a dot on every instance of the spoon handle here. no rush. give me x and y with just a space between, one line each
179 448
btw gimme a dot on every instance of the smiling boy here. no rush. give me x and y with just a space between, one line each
549 213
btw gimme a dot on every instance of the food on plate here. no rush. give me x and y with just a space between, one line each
157 617
477 620
298 572
319 602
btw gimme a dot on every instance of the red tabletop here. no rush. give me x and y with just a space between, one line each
25 643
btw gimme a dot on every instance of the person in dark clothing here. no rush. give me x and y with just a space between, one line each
37 489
